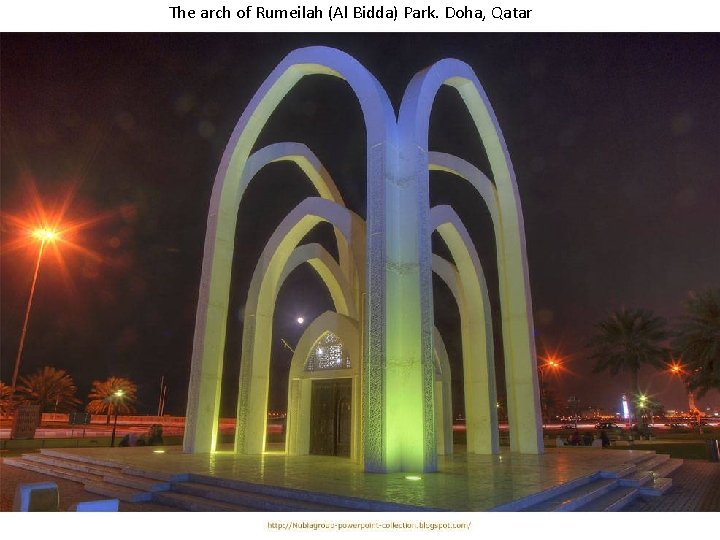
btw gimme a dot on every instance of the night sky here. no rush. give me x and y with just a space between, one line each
615 140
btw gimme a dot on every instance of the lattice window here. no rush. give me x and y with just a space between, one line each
327 353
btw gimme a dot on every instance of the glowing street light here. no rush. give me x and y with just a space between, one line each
44 235
117 396
300 320
552 363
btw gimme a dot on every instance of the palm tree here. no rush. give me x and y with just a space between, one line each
52 389
628 339
5 399
104 397
697 342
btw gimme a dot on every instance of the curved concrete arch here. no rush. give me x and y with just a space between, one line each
228 189
440 161
518 332
443 397
260 306
328 270
466 281
300 382
300 155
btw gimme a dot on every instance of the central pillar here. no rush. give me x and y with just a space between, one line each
400 422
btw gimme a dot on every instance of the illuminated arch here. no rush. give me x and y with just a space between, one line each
228 189
466 281
518 333
300 155
329 271
443 396
340 292
257 327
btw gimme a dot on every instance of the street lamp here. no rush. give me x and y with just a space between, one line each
44 235
641 405
117 395
550 363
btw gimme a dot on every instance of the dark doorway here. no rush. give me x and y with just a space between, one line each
330 417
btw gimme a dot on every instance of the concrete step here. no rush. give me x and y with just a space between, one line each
657 487
114 491
256 501
573 499
71 456
612 501
196 504
156 475
51 470
137 482
637 479
527 503
667 468
654 463
78 466
327 500
619 471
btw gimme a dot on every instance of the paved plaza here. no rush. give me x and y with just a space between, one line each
464 483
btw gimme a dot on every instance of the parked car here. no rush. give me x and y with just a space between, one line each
612 426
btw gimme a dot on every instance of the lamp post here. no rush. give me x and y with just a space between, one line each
642 402
117 396
44 235
550 363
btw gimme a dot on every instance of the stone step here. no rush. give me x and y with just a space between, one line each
667 468
622 470
72 465
51 470
196 504
72 456
337 502
657 487
115 491
256 501
639 457
637 479
654 463
612 501
137 482
157 475
571 500
530 501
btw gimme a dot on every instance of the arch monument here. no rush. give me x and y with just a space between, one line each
375 365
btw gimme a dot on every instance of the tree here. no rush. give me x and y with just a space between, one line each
628 339
5 399
104 399
52 389
697 342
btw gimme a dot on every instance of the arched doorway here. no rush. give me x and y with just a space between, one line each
331 401
324 390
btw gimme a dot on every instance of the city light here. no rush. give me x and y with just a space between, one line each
46 235
300 320
625 408
675 368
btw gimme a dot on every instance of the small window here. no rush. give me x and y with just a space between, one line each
327 353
